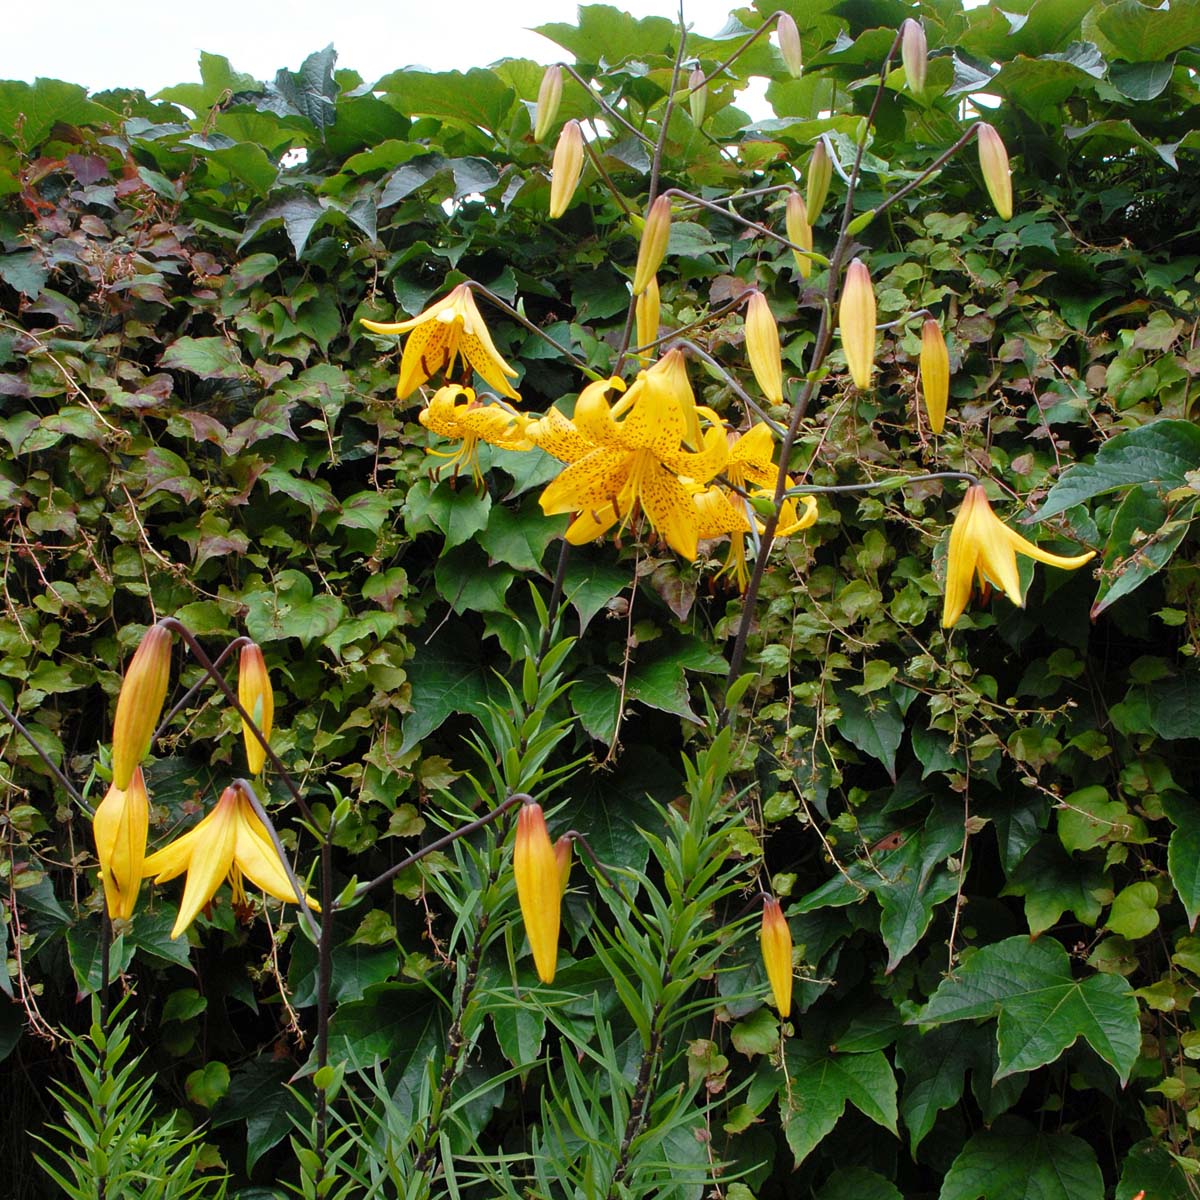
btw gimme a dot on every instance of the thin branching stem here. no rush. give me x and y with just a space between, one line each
71 790
521 319
606 107
190 694
745 45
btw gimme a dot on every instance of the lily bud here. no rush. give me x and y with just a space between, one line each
914 54
799 231
653 248
775 941
789 46
993 161
935 373
256 697
539 875
562 856
120 825
566 168
697 97
762 347
820 173
647 310
549 98
140 702
856 321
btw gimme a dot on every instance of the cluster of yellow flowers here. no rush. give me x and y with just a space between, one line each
230 842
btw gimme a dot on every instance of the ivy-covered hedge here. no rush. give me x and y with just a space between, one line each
986 839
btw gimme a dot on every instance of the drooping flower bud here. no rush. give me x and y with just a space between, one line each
799 231
256 697
856 322
562 855
993 162
647 310
697 97
120 825
566 168
935 373
776 943
914 54
653 248
140 702
820 174
789 46
762 347
549 98
539 877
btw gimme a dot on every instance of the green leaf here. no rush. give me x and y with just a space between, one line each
393 1022
459 513
207 1085
468 583
258 1094
1042 1008
1150 1167
478 98
1089 819
757 1034
519 538
589 585
208 357
151 932
1053 884
874 724
43 104
595 697
291 610
1183 853
25 272
1174 705
934 1065
299 213
1159 454
858 1183
816 1093
1139 33
1015 1161
1134 912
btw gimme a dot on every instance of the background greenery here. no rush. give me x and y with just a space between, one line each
987 841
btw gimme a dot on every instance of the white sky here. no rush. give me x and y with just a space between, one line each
133 43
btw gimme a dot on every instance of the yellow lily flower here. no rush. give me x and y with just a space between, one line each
120 825
473 422
230 842
776 944
140 702
441 334
540 874
638 459
256 697
984 549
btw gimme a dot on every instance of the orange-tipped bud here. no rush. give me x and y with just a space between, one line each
549 98
120 825
799 231
789 46
653 248
914 54
697 97
566 168
935 373
140 702
993 162
776 943
562 856
820 174
856 322
256 697
539 877
647 309
762 347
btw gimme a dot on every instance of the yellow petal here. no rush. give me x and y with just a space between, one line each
211 860
820 174
960 560
670 510
254 854
589 484
799 231
557 435
548 100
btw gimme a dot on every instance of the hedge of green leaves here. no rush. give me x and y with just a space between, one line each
986 839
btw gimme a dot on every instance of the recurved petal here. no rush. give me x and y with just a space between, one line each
594 417
557 435
718 512
589 484
705 463
212 858
1068 561
429 349
961 558
997 556
429 314
591 524
792 521
255 854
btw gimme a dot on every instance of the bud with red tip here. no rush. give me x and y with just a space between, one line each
762 347
935 373
540 879
566 168
789 45
914 54
775 941
549 98
856 322
653 248
120 825
140 702
820 174
799 231
256 697
993 162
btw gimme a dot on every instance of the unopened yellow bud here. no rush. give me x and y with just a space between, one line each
256 697
653 247
935 373
540 884
647 309
856 322
914 54
762 347
993 161
799 231
789 46
566 168
120 825
549 98
776 943
140 702
562 856
820 174
697 96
